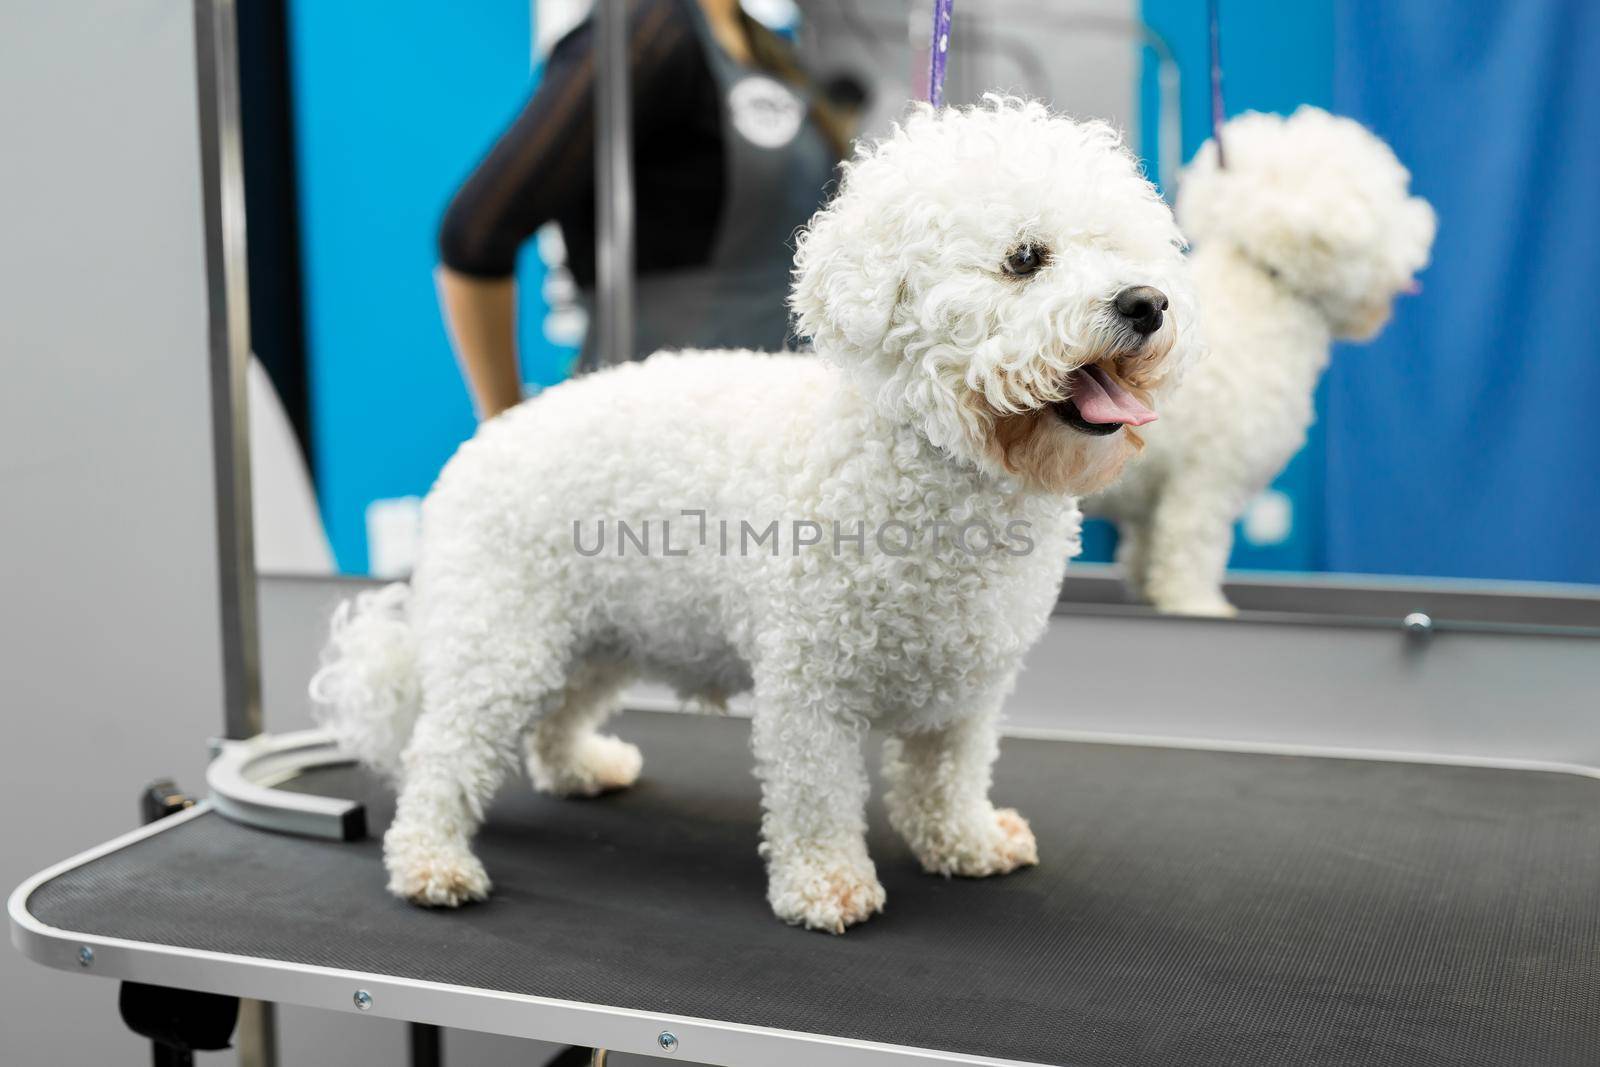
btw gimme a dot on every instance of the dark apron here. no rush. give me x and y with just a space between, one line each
777 162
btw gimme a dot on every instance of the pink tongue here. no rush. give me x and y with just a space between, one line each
1101 399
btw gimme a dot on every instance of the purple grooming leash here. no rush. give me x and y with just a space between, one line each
1218 114
938 51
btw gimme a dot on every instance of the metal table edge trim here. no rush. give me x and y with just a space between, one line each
1288 748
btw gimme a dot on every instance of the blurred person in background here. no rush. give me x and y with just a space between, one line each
733 146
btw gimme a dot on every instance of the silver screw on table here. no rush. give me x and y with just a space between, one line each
667 1040
1418 624
363 999
85 956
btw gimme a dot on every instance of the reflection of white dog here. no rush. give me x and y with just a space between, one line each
996 293
1305 236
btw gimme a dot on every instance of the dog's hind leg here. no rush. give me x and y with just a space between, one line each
481 682
814 792
566 755
938 800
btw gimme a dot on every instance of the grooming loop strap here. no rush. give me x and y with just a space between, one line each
939 51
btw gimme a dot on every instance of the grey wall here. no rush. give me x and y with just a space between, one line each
109 664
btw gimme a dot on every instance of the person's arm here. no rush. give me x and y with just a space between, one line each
541 167
481 316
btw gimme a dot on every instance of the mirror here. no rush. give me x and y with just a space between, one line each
420 202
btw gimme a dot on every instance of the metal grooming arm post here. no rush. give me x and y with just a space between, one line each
228 302
222 186
613 323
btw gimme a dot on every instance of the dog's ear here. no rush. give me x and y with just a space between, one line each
1418 226
847 281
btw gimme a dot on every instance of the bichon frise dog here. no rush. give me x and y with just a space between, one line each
869 537
1305 237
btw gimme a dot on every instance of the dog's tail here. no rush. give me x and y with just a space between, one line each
367 692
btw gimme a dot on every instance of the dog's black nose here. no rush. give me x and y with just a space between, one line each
1142 306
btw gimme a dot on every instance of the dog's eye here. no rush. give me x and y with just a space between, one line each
1024 260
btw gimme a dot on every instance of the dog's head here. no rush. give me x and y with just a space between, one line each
1008 282
1319 202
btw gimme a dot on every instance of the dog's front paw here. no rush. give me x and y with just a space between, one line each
601 764
997 845
1018 847
431 873
825 893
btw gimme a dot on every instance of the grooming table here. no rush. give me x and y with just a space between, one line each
1192 907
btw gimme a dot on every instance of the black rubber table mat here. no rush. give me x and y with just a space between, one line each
1191 908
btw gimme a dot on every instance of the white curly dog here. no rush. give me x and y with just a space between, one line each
1306 236
870 538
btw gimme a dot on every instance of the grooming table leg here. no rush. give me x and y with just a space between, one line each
178 1022
427 1046
257 1040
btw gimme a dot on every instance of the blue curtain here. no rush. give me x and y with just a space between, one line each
1466 440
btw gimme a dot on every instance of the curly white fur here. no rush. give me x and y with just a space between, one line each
1306 236
367 692
930 405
